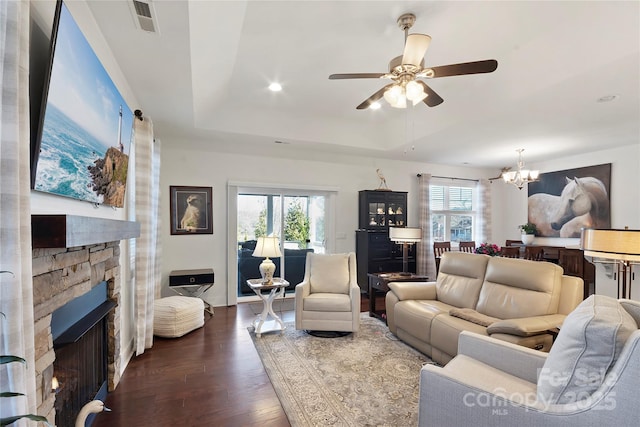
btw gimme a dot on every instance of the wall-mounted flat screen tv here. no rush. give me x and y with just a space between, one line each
83 143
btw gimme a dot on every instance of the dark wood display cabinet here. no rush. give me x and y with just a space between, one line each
375 253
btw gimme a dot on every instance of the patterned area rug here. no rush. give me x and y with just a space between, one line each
366 379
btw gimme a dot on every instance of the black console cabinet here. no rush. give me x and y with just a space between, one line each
375 253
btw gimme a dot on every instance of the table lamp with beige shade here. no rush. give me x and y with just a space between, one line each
267 247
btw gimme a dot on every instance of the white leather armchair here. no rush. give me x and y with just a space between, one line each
328 298
495 383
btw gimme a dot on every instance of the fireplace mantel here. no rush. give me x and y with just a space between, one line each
67 231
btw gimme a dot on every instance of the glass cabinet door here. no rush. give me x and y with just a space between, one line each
380 210
396 215
377 214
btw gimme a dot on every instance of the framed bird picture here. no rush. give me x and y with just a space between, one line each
191 210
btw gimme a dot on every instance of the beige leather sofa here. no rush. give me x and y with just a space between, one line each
514 300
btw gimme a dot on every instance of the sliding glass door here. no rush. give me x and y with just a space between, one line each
297 218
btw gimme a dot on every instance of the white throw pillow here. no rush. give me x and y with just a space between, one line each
589 343
329 273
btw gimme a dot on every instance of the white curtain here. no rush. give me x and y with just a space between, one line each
484 200
16 290
148 255
426 261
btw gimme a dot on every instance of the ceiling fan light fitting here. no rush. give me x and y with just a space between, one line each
400 103
419 99
393 94
396 96
414 91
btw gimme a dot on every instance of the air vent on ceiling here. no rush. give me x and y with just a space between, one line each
144 13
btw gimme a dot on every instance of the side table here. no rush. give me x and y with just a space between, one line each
192 283
267 294
379 283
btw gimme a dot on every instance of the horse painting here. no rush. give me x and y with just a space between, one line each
584 202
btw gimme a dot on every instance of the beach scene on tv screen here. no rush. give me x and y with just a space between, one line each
87 127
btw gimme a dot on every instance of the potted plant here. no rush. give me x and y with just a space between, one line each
528 231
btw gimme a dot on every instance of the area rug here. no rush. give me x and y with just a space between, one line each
364 379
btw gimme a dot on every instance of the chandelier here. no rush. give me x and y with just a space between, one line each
522 176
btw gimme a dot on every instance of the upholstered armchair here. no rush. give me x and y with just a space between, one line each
328 298
589 378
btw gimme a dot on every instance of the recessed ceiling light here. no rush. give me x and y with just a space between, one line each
275 87
375 106
607 98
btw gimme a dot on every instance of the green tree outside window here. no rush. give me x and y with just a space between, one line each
296 225
261 226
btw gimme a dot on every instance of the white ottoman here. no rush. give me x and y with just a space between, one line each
176 316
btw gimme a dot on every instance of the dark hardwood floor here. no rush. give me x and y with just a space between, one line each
212 376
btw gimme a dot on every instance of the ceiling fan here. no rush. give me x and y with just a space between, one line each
406 71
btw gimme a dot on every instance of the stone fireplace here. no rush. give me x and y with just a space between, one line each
71 256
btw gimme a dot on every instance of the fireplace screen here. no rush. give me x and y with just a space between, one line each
80 369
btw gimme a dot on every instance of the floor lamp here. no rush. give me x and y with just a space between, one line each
405 236
621 246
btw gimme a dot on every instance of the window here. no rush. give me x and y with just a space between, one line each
453 212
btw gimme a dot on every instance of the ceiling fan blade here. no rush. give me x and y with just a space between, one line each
373 98
432 98
475 67
415 48
356 76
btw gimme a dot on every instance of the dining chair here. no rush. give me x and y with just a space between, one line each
469 247
441 247
571 260
510 252
438 249
534 253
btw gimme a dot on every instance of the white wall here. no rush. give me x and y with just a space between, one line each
195 167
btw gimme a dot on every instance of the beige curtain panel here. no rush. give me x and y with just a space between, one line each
16 288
